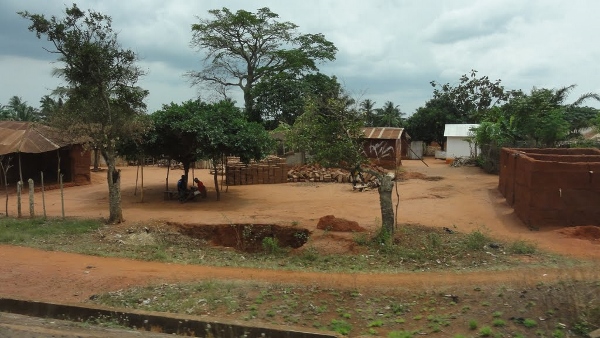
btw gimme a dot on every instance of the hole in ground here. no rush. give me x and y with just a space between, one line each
245 237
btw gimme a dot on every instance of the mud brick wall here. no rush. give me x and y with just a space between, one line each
552 187
270 171
80 165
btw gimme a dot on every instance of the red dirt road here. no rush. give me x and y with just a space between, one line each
465 199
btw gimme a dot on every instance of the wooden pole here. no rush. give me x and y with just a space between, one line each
62 196
43 194
168 169
20 171
19 186
137 172
31 191
142 185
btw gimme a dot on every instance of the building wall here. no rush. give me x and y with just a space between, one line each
552 187
385 153
80 165
457 147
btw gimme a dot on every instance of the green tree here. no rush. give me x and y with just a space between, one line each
329 131
197 130
226 132
49 106
175 133
427 123
102 97
367 108
580 118
19 110
282 98
542 117
389 116
242 48
472 97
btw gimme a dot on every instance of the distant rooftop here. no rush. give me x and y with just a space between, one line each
459 130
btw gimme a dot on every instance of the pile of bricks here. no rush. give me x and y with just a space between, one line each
269 171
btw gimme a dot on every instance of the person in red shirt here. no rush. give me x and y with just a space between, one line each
201 190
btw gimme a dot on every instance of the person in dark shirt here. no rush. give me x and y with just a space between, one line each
181 188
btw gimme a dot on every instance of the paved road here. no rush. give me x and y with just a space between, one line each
17 326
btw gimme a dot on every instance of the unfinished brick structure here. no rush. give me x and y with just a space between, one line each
269 171
552 187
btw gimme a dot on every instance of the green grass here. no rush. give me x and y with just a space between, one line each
485 331
521 247
401 255
340 326
24 231
529 323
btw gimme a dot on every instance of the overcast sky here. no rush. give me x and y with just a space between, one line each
389 50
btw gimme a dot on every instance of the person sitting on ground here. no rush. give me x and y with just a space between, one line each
181 188
201 188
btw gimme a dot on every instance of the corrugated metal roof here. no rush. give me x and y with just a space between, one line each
460 130
28 137
384 133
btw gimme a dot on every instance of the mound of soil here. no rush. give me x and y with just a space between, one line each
588 232
331 223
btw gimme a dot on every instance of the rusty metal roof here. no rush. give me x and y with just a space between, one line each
384 133
28 137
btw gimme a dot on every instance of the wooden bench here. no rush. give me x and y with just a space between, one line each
170 194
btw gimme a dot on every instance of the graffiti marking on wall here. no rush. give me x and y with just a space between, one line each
380 149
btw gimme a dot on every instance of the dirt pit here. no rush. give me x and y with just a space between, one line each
245 237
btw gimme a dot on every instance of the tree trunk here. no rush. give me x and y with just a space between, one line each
385 200
216 179
253 114
186 170
96 159
114 191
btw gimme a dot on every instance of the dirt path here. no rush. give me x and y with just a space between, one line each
464 199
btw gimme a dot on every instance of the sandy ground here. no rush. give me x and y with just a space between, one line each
464 199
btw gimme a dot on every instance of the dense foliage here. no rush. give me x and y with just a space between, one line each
102 97
242 49
197 130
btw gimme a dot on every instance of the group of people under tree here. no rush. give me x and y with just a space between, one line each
186 194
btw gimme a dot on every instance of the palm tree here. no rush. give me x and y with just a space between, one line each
367 108
49 106
18 110
389 116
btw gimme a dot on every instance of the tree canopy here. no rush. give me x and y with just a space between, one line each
197 130
19 110
102 99
243 48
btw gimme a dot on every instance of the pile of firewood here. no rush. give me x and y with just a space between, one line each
315 173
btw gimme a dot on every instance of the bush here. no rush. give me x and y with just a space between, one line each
476 241
522 248
271 245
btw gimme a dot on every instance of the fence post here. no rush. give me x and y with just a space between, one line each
43 197
31 191
62 197
19 187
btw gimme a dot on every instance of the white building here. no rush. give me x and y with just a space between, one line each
457 140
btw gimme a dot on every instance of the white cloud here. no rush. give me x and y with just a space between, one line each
389 50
